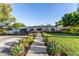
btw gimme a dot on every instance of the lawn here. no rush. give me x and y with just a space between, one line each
69 43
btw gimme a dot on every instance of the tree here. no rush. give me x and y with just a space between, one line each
73 19
60 22
18 25
12 20
5 13
69 19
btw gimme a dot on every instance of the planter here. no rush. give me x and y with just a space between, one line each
22 47
25 51
45 44
22 53
27 46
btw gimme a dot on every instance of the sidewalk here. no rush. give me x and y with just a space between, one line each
37 48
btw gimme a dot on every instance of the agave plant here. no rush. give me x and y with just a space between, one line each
54 48
17 49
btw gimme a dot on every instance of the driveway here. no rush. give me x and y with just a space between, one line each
6 42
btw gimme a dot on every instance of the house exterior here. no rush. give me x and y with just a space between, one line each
59 28
41 28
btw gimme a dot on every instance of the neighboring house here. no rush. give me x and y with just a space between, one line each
59 28
41 28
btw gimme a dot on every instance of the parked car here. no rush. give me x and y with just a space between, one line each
12 31
24 31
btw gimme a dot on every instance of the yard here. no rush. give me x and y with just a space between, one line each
69 44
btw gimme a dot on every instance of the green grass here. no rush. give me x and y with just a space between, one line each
69 43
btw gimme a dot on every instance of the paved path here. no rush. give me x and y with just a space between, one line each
6 43
37 48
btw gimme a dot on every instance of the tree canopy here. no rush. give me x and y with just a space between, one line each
5 14
60 22
18 25
69 19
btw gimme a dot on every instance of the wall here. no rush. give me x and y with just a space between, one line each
44 28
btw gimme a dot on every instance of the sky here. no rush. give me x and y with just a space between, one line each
41 13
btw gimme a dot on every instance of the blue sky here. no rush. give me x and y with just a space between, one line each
41 13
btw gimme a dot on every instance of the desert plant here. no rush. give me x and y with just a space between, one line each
45 39
54 48
31 39
17 49
64 45
25 42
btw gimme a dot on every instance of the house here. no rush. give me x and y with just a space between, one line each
41 28
59 28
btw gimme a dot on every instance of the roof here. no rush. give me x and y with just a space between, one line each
42 26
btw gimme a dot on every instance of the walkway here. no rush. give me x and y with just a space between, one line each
37 48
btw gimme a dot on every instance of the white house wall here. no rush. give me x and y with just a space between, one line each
44 28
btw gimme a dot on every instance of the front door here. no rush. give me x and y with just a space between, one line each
39 29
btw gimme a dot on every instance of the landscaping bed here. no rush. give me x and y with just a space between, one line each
61 45
21 48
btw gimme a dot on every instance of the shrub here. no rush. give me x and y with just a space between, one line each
27 41
17 49
74 30
71 30
54 48
24 42
2 31
52 30
66 30
33 35
45 39
67 45
31 39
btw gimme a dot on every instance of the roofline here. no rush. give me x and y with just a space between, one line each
42 26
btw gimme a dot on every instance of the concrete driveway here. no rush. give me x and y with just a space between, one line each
6 42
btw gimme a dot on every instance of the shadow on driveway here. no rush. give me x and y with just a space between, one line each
10 43
5 50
